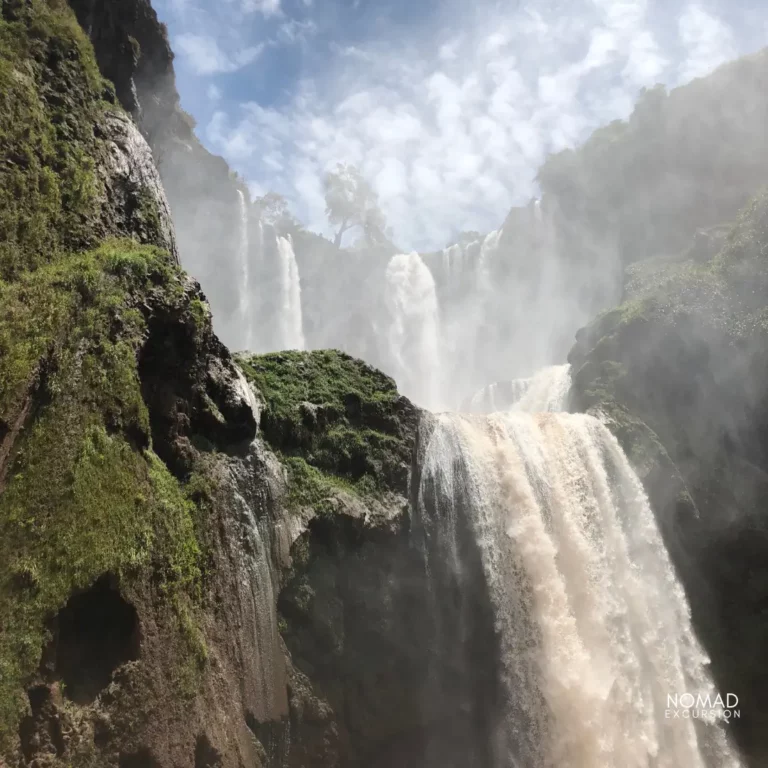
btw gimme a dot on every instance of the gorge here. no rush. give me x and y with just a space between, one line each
461 552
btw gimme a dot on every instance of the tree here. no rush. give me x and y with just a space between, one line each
273 209
351 202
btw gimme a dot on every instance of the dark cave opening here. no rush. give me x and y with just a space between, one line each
206 755
97 631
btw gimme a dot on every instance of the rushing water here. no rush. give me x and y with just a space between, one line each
246 289
546 391
291 324
593 626
413 337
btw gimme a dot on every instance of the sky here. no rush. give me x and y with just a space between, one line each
448 108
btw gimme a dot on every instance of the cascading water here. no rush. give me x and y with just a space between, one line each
291 322
489 247
414 330
465 292
243 257
546 391
593 627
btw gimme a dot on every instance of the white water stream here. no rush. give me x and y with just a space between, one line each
593 625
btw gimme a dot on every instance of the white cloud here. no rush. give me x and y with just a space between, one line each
645 63
267 7
708 41
205 56
452 128
213 92
294 31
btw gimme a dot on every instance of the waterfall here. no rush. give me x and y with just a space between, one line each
489 247
593 626
291 322
243 256
546 391
250 554
414 331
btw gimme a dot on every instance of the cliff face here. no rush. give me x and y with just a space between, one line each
101 500
686 159
172 593
133 52
679 371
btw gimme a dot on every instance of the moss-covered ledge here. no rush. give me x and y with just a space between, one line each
335 422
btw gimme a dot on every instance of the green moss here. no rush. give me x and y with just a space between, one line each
326 377
725 294
309 487
192 663
146 218
748 240
84 494
334 414
50 97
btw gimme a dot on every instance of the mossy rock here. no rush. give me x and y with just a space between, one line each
81 492
333 419
51 96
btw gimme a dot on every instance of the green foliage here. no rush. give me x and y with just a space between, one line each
327 411
273 209
50 98
723 298
82 492
747 242
192 663
725 293
309 487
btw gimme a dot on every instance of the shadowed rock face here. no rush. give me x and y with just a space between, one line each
400 644
95 633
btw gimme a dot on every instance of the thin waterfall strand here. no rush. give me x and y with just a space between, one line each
414 331
243 256
291 321
546 391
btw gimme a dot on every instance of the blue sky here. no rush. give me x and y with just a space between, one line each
447 107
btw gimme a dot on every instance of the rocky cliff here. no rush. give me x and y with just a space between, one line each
146 530
132 50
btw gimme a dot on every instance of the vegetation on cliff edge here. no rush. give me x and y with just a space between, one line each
333 419
51 94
